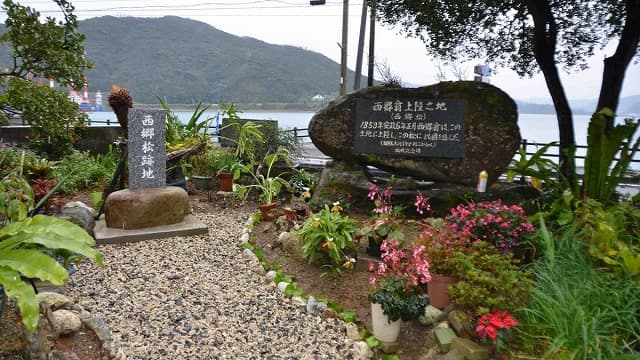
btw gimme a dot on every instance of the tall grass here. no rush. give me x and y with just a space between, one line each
577 311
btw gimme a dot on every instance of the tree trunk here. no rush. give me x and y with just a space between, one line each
545 37
616 65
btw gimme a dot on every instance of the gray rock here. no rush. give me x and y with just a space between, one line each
298 301
80 214
283 285
244 238
353 333
489 114
314 306
66 322
249 254
291 245
270 276
431 315
54 300
59 355
362 351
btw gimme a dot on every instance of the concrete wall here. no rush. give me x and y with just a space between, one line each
96 139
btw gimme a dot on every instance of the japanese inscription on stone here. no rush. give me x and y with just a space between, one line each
147 155
410 127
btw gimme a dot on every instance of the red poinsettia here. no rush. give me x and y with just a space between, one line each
489 325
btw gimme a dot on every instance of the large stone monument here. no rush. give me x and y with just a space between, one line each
148 203
445 134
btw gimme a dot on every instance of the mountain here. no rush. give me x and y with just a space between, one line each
628 105
186 60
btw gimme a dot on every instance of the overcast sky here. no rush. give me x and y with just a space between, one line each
319 28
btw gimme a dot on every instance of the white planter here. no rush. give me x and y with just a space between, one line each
383 329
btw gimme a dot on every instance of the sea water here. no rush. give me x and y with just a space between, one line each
536 129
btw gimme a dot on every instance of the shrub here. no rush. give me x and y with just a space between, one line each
85 172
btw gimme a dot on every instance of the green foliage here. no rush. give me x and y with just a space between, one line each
488 280
544 172
600 178
22 246
16 198
227 162
179 135
269 186
397 301
576 311
613 235
330 234
83 171
56 121
44 47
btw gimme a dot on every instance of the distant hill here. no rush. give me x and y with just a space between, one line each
629 105
187 60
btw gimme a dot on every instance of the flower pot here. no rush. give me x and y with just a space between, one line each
225 181
202 182
437 290
268 211
383 329
374 248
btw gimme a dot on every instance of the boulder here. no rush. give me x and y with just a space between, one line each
80 214
145 208
446 133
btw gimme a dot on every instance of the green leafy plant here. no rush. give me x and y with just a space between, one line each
612 235
488 280
269 186
181 135
22 246
84 171
330 234
600 178
544 173
228 163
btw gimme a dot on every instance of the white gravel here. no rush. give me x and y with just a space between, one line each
198 297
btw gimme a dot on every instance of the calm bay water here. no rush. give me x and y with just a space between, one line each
533 127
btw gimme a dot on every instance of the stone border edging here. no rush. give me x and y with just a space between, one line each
311 306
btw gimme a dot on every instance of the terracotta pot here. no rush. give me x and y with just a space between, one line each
268 211
437 289
225 181
383 329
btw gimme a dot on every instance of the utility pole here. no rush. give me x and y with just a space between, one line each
372 36
363 25
343 47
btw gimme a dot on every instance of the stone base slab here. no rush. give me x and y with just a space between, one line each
189 226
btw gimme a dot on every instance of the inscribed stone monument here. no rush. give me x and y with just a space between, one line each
446 133
147 155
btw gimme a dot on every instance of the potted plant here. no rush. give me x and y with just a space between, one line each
396 294
229 168
442 241
268 186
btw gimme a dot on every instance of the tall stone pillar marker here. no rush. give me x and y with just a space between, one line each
148 208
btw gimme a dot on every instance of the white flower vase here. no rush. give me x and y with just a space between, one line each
383 329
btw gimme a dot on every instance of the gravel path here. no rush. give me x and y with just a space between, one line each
198 297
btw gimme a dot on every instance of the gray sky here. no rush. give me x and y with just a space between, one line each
319 28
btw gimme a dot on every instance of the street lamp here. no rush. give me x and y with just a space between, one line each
343 45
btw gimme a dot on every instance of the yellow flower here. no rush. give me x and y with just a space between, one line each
316 223
349 263
306 194
336 207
